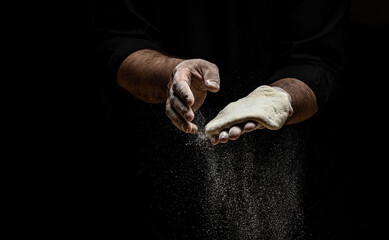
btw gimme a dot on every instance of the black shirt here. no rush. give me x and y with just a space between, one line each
258 41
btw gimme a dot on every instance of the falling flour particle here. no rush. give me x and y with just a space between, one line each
252 186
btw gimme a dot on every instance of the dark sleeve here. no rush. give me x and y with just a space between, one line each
122 29
312 39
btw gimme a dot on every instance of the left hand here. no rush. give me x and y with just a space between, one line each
265 107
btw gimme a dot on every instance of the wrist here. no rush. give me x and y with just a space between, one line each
303 99
146 74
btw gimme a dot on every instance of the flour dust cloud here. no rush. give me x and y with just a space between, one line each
252 186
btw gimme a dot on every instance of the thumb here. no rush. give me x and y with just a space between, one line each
211 78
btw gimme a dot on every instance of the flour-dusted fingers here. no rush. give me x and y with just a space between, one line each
180 98
229 134
235 132
181 86
181 108
178 120
188 86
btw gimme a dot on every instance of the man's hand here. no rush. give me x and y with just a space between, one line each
146 74
265 107
187 89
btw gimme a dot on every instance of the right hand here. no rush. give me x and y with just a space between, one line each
187 89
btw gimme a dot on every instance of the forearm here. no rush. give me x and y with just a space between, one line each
303 99
145 74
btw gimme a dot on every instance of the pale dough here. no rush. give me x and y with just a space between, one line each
265 105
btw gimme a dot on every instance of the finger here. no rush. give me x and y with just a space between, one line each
185 111
176 119
211 78
250 126
235 132
214 140
179 121
181 86
191 128
223 137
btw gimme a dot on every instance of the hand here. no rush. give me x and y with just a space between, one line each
187 89
265 107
